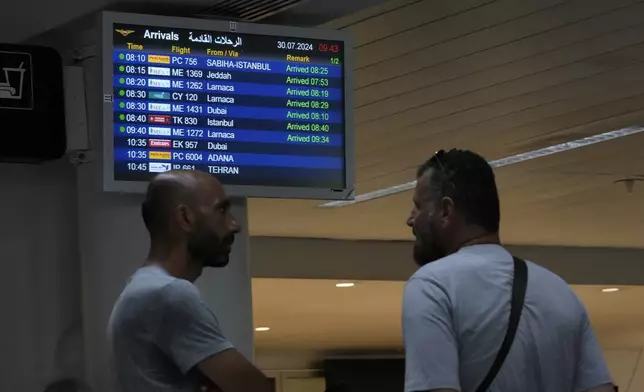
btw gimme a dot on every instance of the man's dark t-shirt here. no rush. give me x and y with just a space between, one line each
159 330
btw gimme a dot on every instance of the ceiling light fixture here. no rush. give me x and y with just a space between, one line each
542 152
610 290
346 284
262 329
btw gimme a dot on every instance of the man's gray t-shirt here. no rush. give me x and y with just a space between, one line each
455 316
159 330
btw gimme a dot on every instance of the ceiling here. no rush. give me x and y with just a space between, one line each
20 22
315 315
500 77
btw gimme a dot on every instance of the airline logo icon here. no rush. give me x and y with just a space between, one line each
159 131
159 167
124 33
156 119
159 107
158 71
165 155
159 83
160 143
159 59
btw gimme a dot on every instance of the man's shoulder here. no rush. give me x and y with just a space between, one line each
559 295
449 265
149 286
467 270
148 298
179 291
544 275
436 277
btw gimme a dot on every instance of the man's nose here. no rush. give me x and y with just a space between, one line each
234 226
410 219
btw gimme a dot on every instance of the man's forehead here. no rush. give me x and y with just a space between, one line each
199 185
424 190
219 196
424 181
211 191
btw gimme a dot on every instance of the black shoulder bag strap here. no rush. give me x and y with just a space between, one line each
519 285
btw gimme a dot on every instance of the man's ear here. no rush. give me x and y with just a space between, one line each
446 208
185 217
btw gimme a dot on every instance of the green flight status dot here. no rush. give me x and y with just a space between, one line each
121 80
122 117
121 105
122 129
121 56
121 68
122 93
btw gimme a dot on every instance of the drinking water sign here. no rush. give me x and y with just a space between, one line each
16 81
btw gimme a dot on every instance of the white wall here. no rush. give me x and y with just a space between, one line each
39 282
627 368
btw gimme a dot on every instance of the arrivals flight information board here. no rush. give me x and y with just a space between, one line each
251 109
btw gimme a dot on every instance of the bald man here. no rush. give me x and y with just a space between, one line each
162 335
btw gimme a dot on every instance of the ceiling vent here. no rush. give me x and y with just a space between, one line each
248 10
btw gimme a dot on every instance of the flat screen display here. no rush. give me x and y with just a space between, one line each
262 108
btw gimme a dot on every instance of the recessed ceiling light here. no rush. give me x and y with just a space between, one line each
346 284
610 290
262 329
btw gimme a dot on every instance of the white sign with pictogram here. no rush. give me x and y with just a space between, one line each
16 81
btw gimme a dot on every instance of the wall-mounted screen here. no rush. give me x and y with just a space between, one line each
265 109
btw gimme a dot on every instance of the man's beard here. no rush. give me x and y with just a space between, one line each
426 248
209 250
425 253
